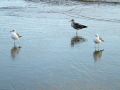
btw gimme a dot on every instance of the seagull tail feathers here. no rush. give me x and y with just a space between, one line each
85 26
20 36
102 40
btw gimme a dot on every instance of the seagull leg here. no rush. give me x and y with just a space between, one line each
14 42
95 46
98 45
76 31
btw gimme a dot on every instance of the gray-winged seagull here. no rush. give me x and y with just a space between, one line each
77 26
15 35
97 39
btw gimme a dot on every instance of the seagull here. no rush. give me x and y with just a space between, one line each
97 39
15 35
77 26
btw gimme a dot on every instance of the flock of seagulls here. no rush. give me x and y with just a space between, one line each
97 39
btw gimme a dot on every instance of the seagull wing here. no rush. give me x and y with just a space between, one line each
77 24
18 35
101 39
80 26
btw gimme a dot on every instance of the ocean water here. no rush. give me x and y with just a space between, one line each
50 55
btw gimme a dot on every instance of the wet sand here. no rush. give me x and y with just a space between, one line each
48 56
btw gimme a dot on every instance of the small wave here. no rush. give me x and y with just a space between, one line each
110 1
12 3
64 1
101 12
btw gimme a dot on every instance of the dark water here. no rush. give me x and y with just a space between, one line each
50 56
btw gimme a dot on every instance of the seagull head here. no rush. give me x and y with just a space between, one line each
96 35
72 20
13 31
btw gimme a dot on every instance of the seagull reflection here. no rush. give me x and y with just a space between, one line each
14 51
97 54
77 39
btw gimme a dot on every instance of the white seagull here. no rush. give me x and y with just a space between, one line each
15 35
97 39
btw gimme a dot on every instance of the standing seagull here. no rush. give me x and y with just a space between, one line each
77 26
15 35
97 39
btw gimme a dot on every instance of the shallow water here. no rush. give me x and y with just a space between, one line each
48 56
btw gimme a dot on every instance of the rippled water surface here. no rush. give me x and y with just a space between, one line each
50 55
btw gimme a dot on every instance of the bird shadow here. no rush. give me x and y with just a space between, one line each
15 51
97 54
77 39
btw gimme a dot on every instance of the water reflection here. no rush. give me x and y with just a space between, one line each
97 54
77 39
14 51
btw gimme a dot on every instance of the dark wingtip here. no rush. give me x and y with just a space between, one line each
19 47
85 26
